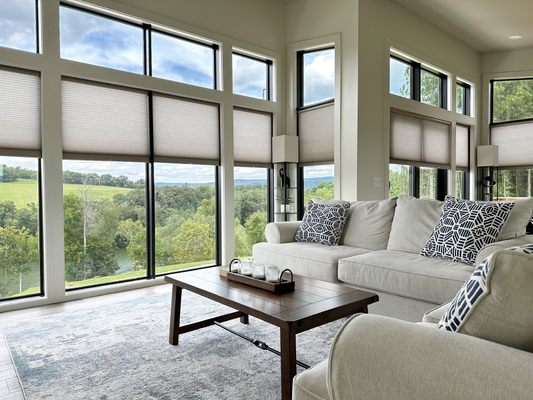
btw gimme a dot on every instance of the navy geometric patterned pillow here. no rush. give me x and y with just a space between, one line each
464 228
471 293
323 222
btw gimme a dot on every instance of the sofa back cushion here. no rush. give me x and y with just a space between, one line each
414 220
518 220
369 224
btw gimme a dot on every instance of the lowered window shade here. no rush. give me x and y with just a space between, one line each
252 138
103 121
185 131
315 131
462 140
20 122
416 140
515 142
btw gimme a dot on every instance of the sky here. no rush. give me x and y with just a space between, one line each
109 43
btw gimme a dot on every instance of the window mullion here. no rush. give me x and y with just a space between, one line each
416 81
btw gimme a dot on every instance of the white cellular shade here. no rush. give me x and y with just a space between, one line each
515 142
419 140
462 139
252 138
315 131
20 115
185 130
104 121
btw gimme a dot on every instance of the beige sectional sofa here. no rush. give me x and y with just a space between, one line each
379 251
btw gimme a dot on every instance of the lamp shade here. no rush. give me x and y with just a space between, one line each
285 148
487 156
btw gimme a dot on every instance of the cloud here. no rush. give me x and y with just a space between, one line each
319 76
249 173
17 24
249 77
318 171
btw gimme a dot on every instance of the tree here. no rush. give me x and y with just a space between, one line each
323 191
243 248
135 234
255 227
249 199
194 241
19 251
7 211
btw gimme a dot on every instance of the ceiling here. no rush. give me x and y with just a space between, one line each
483 24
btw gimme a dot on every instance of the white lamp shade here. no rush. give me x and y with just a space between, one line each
487 156
285 148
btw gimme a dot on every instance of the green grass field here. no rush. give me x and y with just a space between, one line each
25 191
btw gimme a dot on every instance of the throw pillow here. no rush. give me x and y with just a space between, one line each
323 222
518 219
464 227
495 303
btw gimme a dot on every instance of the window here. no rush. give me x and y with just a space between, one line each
318 182
251 208
101 40
399 180
513 183
20 213
185 216
462 161
19 24
105 222
428 183
317 76
20 261
512 100
416 81
252 76
462 98
183 60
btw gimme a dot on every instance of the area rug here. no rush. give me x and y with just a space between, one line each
121 351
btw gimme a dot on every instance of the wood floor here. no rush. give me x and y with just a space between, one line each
10 388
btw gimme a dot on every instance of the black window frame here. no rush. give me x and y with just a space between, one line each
416 81
467 93
491 85
269 77
414 181
300 78
147 30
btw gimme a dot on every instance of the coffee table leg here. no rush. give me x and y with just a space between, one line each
288 360
245 319
175 311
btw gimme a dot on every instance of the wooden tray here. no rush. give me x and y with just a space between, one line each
283 286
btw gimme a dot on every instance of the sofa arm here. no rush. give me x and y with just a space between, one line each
375 357
281 232
501 245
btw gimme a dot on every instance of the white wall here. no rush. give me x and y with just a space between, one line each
319 20
382 24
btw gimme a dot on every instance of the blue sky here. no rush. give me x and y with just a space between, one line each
105 42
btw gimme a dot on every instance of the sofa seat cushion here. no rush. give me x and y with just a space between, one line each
312 383
405 274
314 260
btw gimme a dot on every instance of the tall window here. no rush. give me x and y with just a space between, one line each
19 25
420 82
511 127
316 95
252 76
462 161
252 132
20 150
462 98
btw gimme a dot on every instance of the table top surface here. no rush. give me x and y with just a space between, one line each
311 299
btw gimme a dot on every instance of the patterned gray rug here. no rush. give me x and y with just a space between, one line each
121 351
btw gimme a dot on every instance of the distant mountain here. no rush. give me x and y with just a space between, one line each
310 182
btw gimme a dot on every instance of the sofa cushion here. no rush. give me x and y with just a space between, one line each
434 315
495 303
323 222
312 383
464 228
405 274
310 259
414 220
369 223
520 215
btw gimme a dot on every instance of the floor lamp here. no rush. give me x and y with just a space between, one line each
487 157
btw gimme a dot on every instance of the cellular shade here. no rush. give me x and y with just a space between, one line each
515 142
104 121
417 140
462 140
315 131
20 121
185 130
252 138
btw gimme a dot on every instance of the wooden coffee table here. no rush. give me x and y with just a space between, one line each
313 303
